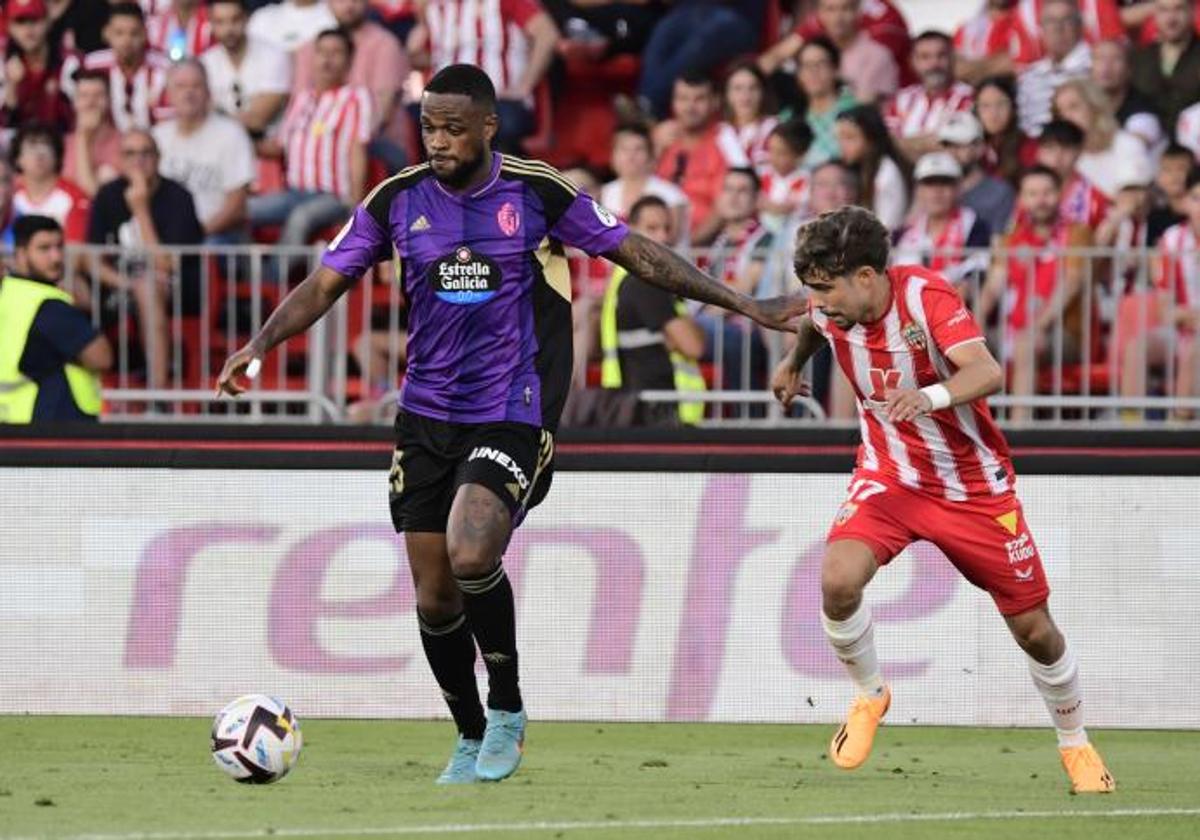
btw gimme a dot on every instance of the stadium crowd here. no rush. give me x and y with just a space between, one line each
1037 125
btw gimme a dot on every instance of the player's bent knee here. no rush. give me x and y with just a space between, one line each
439 605
1037 634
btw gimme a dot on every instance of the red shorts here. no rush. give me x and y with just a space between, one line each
986 539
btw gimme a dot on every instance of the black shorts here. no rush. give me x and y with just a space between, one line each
433 458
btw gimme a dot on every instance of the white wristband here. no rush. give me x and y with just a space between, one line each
939 396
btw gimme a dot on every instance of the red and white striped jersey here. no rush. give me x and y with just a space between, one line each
957 453
67 204
1180 274
168 35
790 189
1083 204
752 138
319 130
987 34
487 33
139 99
912 111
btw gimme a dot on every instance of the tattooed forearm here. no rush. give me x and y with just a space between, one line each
662 267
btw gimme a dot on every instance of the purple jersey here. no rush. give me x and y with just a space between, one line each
487 283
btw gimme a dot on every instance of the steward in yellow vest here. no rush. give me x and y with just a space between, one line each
50 354
648 339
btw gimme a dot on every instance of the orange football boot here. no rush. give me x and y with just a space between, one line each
851 744
1086 769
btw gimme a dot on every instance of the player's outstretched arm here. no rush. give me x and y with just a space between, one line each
662 267
787 381
304 305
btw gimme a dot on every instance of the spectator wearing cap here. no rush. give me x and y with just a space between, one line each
1081 102
37 70
991 198
1008 151
381 66
942 234
1037 280
50 354
783 198
512 41
180 30
249 78
41 189
915 114
1157 325
994 42
1059 149
632 162
697 160
137 75
1133 111
207 152
1167 72
92 152
1067 56
866 145
291 24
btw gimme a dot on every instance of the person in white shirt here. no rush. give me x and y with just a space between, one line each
208 153
1105 144
633 163
1067 57
249 78
292 23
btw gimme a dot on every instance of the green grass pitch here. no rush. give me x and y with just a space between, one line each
153 779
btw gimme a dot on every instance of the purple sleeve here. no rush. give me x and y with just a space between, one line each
586 225
359 245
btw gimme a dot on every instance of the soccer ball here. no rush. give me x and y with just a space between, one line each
256 739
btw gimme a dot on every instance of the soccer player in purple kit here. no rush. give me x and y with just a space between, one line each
480 238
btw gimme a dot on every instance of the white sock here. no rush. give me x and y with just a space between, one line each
853 642
1058 683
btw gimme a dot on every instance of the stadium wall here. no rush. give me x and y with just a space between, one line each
129 587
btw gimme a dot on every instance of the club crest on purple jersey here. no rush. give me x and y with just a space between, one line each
509 218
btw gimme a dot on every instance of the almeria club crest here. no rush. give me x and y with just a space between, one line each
508 218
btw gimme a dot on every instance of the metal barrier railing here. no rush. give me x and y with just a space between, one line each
1115 346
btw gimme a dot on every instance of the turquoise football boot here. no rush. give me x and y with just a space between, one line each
461 768
503 741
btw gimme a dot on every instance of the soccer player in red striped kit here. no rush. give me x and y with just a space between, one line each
932 466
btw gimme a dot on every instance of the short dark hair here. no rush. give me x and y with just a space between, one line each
644 203
934 35
342 34
1193 177
696 78
746 171
796 134
839 242
1044 171
38 131
92 75
823 42
26 227
1175 150
242 4
1061 133
132 10
464 80
636 129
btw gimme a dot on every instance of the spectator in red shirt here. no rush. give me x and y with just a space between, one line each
879 19
92 152
994 43
1059 149
916 113
696 161
41 189
1009 150
181 30
36 71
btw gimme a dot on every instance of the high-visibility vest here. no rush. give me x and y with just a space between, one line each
20 301
687 372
